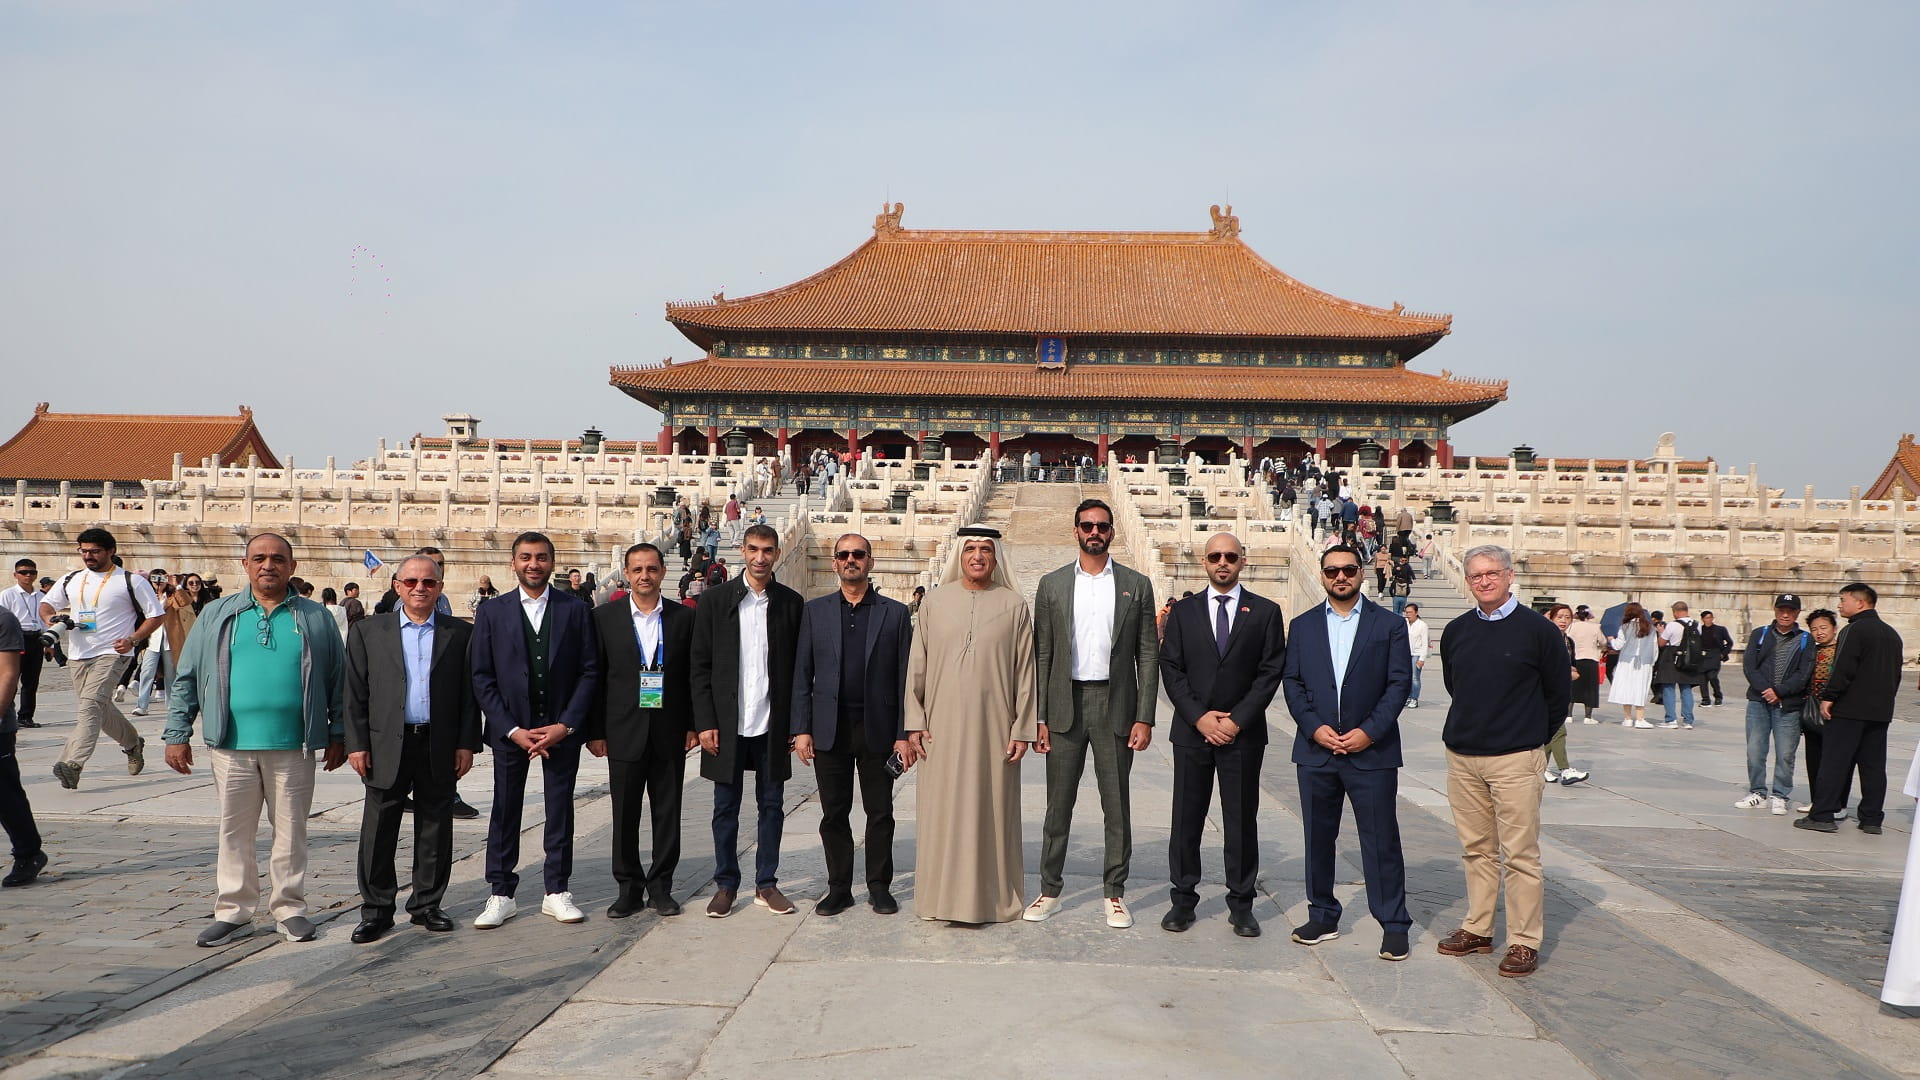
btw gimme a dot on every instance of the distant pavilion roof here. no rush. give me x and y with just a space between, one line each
1198 284
1903 471
126 447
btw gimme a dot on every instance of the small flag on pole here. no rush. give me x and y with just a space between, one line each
372 562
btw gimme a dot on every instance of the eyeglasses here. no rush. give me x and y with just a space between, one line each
1228 557
420 582
850 555
266 631
1488 575
1344 570
1094 526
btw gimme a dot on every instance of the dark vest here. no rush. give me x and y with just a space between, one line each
539 643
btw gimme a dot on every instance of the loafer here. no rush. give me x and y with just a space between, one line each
1042 909
297 928
461 809
1179 920
773 900
833 903
882 902
1313 933
1519 962
219 933
433 919
1461 943
25 870
664 905
1244 924
137 757
1393 946
721 905
371 930
1816 826
625 908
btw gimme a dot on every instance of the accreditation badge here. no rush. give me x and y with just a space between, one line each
88 620
653 689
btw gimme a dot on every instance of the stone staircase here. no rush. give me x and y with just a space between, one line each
1036 521
1440 602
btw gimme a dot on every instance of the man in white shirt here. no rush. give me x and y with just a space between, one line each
22 598
1420 644
109 612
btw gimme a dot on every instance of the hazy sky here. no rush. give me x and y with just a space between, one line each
1680 217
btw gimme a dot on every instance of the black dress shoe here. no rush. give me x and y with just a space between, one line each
664 905
625 907
461 809
1179 920
882 902
29 723
833 903
433 919
371 929
1244 924
1871 830
25 870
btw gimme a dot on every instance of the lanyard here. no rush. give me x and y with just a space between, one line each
97 593
659 644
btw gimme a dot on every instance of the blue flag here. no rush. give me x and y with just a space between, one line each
372 562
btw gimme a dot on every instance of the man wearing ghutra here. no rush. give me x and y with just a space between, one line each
971 714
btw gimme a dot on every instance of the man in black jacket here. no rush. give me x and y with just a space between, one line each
1858 706
1716 647
1778 665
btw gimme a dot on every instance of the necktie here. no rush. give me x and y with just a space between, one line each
1220 624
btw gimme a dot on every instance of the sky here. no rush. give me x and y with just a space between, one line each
1692 217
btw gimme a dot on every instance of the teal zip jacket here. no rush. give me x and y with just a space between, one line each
201 681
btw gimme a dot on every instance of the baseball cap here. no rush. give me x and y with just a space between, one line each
1787 600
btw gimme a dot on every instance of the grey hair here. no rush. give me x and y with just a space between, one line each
402 568
1488 551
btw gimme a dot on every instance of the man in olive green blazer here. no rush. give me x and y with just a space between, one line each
1097 658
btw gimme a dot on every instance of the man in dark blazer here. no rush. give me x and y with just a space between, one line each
535 673
1094 646
1347 678
849 686
744 636
642 722
1858 704
1221 662
413 726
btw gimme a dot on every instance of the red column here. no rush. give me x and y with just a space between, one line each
1393 453
713 441
665 445
1320 448
853 441
780 442
1444 453
1100 455
1246 448
922 452
993 445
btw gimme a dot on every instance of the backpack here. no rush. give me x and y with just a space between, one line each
139 613
1689 655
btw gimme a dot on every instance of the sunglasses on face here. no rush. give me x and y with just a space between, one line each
1345 570
850 555
419 582
1094 526
1228 557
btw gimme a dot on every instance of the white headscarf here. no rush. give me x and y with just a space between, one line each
1002 574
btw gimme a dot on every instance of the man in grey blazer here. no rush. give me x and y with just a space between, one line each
413 725
1095 649
849 687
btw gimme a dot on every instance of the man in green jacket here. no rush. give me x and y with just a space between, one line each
266 669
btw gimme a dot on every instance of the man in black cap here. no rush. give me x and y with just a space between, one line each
1778 665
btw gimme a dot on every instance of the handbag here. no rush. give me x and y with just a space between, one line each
1811 721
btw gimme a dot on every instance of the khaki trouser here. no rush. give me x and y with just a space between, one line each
282 782
1496 811
93 682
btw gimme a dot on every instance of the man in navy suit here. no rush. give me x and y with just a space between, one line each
535 674
1347 679
849 683
1221 661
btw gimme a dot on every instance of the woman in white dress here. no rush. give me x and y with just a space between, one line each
1902 984
1631 681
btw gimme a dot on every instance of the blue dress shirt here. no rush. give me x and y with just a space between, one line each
1341 630
416 647
1500 612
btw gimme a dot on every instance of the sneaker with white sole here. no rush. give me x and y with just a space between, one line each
1042 909
498 910
1805 809
119 694
1628 722
1569 777
1589 720
1778 806
1671 725
298 928
1550 776
1753 801
1118 916
1642 724
560 905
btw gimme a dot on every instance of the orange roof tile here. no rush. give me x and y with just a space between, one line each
126 447
1206 284
1101 382
1904 469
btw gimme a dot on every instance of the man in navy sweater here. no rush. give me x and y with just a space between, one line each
1506 670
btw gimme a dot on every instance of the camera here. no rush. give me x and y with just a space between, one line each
48 639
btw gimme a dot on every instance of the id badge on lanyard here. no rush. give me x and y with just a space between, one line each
653 682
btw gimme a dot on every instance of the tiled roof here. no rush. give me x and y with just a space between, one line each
1206 284
1095 382
126 447
1904 468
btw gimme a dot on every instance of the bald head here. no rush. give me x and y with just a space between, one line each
1225 556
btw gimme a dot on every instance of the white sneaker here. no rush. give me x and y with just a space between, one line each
1753 801
1551 776
1042 909
1671 725
1806 808
1778 806
560 906
119 693
1628 722
1589 720
138 712
1573 776
1643 724
498 910
1118 916
1839 815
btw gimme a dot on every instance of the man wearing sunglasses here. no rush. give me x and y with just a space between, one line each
1221 661
265 669
1096 653
849 687
1348 675
23 600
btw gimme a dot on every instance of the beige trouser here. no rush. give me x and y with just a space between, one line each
1496 811
246 780
93 682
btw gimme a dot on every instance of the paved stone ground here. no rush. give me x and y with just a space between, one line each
1685 938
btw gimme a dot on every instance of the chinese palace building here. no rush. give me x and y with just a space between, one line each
1153 345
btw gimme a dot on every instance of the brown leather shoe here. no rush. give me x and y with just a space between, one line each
721 905
1461 943
773 900
1520 961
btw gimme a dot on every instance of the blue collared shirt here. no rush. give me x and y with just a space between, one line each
1341 630
1501 612
416 647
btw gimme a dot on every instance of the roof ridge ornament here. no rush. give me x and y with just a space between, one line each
1225 225
886 224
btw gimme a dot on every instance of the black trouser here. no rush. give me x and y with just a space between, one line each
16 814
30 663
557 770
1849 743
1374 794
127 673
1237 764
660 772
1710 686
835 770
432 830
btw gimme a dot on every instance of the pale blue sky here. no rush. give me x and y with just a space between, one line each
1685 217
